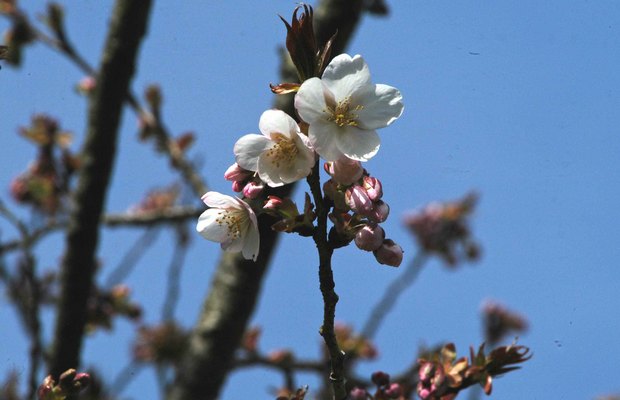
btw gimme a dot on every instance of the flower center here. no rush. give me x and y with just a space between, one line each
283 151
343 114
233 221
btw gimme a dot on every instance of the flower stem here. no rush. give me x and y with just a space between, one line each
327 285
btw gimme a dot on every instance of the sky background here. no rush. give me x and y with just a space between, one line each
517 100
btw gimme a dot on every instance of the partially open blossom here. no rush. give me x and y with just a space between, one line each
231 222
389 253
344 171
370 237
280 155
343 109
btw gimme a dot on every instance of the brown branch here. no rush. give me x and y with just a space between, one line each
237 282
128 26
327 285
168 216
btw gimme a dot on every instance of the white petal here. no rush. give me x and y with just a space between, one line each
345 74
218 200
209 228
310 100
277 121
268 171
381 105
323 137
251 243
248 148
358 144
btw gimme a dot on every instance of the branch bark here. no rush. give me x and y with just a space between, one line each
237 282
128 27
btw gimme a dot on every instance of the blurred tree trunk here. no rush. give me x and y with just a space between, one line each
128 27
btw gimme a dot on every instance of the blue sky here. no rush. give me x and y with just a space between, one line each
519 101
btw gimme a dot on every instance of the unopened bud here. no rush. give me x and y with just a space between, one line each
344 171
358 394
237 186
373 188
394 391
389 253
357 200
380 211
253 189
370 237
237 174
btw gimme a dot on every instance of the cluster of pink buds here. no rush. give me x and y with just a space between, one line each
441 376
443 229
244 181
386 390
45 184
359 209
69 384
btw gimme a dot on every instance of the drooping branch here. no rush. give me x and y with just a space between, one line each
128 27
237 282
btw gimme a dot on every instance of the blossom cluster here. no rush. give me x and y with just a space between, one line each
340 110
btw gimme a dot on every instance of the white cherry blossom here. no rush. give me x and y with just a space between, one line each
281 155
343 109
231 222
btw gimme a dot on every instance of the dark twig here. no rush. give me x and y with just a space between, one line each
391 294
127 29
327 285
28 299
172 215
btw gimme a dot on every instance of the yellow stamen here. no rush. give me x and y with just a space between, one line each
342 115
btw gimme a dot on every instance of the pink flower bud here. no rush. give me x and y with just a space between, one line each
358 394
380 211
370 237
394 391
237 186
357 200
273 203
86 84
253 189
345 171
389 253
236 173
373 188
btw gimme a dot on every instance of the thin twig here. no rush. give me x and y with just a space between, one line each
124 377
174 277
29 298
172 215
391 294
130 260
